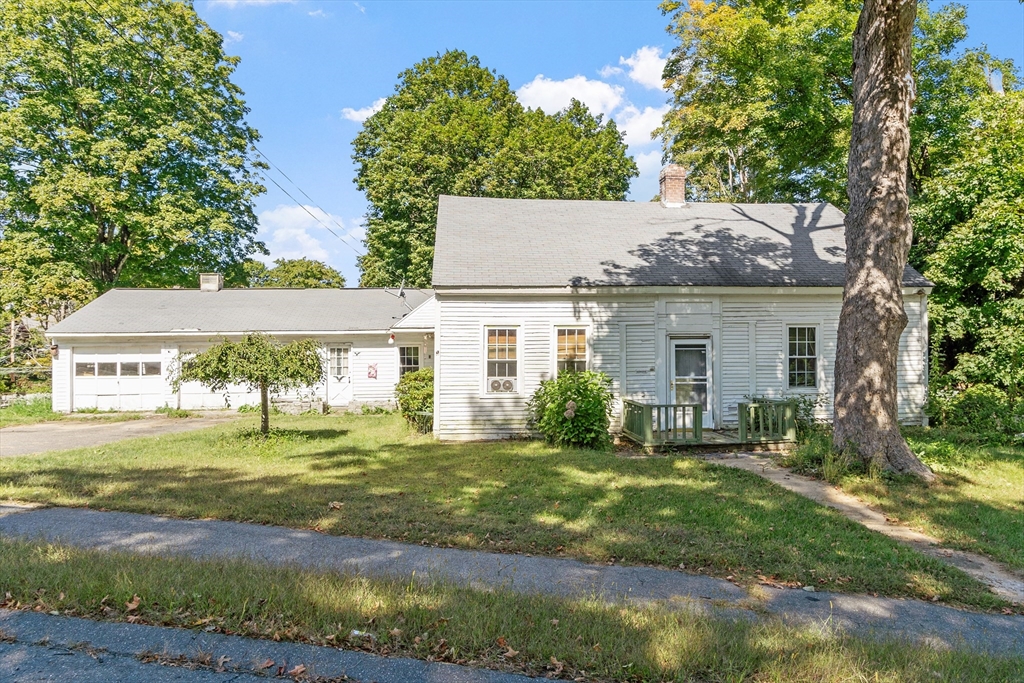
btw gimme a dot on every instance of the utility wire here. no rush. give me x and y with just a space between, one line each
135 46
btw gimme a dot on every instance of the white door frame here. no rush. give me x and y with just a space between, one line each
693 342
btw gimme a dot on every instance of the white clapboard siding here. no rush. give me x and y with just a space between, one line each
60 396
641 362
735 381
466 411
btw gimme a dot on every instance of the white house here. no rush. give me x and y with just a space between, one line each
677 302
116 352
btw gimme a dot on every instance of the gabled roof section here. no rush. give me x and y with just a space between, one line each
423 317
557 243
147 311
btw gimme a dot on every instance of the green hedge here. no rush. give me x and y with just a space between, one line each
415 394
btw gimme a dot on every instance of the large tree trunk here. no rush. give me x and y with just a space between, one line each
878 234
264 410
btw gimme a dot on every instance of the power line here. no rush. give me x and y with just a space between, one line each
135 46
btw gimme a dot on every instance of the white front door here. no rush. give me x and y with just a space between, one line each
339 376
691 375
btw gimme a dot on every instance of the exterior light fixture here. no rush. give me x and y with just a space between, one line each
391 339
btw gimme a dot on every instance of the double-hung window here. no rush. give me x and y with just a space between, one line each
339 361
571 351
803 357
502 360
408 359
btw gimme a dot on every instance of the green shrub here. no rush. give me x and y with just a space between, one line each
415 394
573 410
981 408
173 412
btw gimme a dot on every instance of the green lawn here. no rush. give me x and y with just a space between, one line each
386 482
571 639
34 412
978 504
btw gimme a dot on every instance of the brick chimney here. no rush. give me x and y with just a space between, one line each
672 181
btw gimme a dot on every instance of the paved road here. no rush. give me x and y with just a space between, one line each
911 619
53 648
83 433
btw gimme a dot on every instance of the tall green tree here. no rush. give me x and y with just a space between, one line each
123 142
762 95
455 127
300 273
970 242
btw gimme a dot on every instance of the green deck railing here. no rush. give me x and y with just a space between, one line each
768 420
662 424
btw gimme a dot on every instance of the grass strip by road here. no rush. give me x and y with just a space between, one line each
536 635
31 411
371 476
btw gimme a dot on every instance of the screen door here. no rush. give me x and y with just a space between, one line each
691 377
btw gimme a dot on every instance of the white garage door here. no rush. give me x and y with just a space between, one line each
121 379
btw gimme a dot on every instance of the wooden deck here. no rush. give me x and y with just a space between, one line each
666 425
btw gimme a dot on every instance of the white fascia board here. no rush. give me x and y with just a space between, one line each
192 334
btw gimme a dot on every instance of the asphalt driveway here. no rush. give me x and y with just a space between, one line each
79 433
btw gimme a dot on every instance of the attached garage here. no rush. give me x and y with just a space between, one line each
119 352
117 379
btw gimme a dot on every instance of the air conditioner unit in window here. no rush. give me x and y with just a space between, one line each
499 386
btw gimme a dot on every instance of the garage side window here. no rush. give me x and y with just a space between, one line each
85 369
572 349
151 368
339 361
107 369
803 357
129 369
502 360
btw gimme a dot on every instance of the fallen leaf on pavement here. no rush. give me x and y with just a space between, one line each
266 665
298 670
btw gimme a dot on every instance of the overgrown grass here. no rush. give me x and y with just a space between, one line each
372 476
28 412
977 503
581 639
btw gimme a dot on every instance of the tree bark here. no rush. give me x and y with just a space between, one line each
878 235
264 410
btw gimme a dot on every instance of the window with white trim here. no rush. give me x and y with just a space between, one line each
571 348
502 360
803 357
408 359
339 361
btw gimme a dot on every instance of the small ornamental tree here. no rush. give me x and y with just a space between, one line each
258 361
573 410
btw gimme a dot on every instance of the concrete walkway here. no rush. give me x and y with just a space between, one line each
145 534
83 433
1003 582
51 648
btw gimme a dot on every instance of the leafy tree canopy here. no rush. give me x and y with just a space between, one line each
257 362
35 286
762 95
454 127
970 226
300 273
123 144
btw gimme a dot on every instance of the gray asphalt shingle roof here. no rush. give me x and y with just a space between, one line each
553 243
135 311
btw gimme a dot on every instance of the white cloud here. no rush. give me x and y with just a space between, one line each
645 186
637 124
360 115
607 71
289 232
318 13
233 37
645 67
552 96
360 7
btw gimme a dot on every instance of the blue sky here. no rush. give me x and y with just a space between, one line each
312 69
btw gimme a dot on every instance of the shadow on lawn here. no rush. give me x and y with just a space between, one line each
520 497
